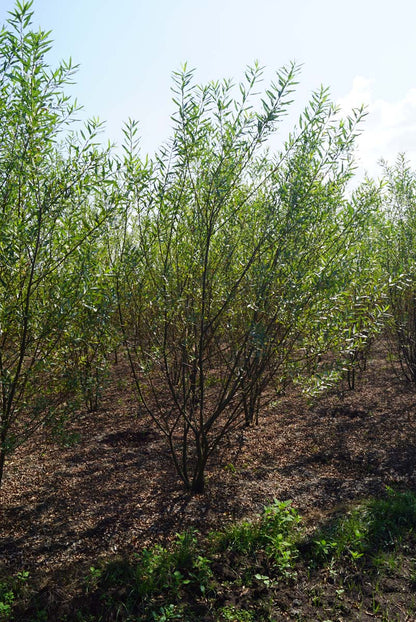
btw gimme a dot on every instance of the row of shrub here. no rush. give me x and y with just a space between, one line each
221 268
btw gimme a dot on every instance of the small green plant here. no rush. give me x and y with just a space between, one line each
324 548
267 581
279 525
242 537
274 532
202 572
413 574
392 517
62 435
230 467
156 574
368 528
93 578
184 549
355 555
6 601
387 560
168 612
10 589
232 614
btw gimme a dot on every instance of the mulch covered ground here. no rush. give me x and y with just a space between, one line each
114 490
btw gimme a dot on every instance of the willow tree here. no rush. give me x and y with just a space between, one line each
50 209
398 258
227 254
352 308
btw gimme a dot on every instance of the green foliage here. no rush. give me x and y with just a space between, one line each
168 612
243 537
191 577
397 256
160 581
226 270
156 575
376 524
354 308
391 517
238 251
6 601
218 263
275 533
11 589
87 345
234 614
54 199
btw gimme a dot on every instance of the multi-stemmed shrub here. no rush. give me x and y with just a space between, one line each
229 254
398 257
53 202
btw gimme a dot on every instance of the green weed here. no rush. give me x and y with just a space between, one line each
10 589
275 533
155 576
232 614
168 612
368 528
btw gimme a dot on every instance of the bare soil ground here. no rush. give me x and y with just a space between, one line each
113 489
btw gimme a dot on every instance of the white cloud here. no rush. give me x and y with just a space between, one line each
389 128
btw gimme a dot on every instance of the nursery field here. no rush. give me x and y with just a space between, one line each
106 490
207 357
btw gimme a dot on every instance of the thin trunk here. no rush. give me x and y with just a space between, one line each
2 460
198 480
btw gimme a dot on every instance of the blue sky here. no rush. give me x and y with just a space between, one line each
364 50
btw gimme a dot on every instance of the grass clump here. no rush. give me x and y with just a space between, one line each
373 525
154 582
274 534
233 614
